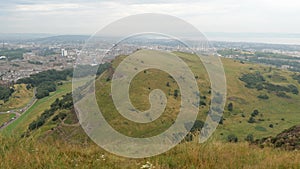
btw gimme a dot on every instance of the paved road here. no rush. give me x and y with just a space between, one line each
18 112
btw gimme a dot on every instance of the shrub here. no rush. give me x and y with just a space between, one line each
249 138
254 113
252 79
202 103
251 120
263 96
232 138
282 94
176 93
230 107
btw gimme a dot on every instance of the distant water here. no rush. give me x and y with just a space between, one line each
293 39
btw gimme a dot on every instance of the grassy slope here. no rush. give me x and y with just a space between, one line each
19 98
55 153
5 117
21 124
244 100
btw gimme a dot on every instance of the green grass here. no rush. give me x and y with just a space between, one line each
21 124
30 153
57 146
244 100
5 117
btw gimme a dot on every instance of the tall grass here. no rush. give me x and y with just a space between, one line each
30 153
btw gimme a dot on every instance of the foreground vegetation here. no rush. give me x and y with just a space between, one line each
30 153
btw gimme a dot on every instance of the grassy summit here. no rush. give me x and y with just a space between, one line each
61 142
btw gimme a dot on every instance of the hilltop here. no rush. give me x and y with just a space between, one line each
261 101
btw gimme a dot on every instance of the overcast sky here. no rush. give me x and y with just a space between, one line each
88 16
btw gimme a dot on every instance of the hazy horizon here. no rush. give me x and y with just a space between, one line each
87 17
270 38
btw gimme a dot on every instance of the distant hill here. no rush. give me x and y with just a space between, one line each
63 39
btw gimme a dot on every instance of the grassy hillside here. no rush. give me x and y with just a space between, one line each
5 117
62 143
21 124
19 99
279 112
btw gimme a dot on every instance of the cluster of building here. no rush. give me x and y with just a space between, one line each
33 62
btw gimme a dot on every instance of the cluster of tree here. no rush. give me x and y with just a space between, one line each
296 77
46 76
45 81
5 93
13 54
293 66
44 89
35 62
256 80
277 88
252 80
65 103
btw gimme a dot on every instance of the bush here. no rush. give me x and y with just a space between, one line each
230 107
36 124
196 126
263 96
176 93
202 103
252 79
60 116
282 94
254 113
232 138
251 120
249 138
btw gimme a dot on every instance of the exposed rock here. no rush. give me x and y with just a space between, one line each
288 139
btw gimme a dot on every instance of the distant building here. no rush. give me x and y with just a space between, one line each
2 57
64 53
